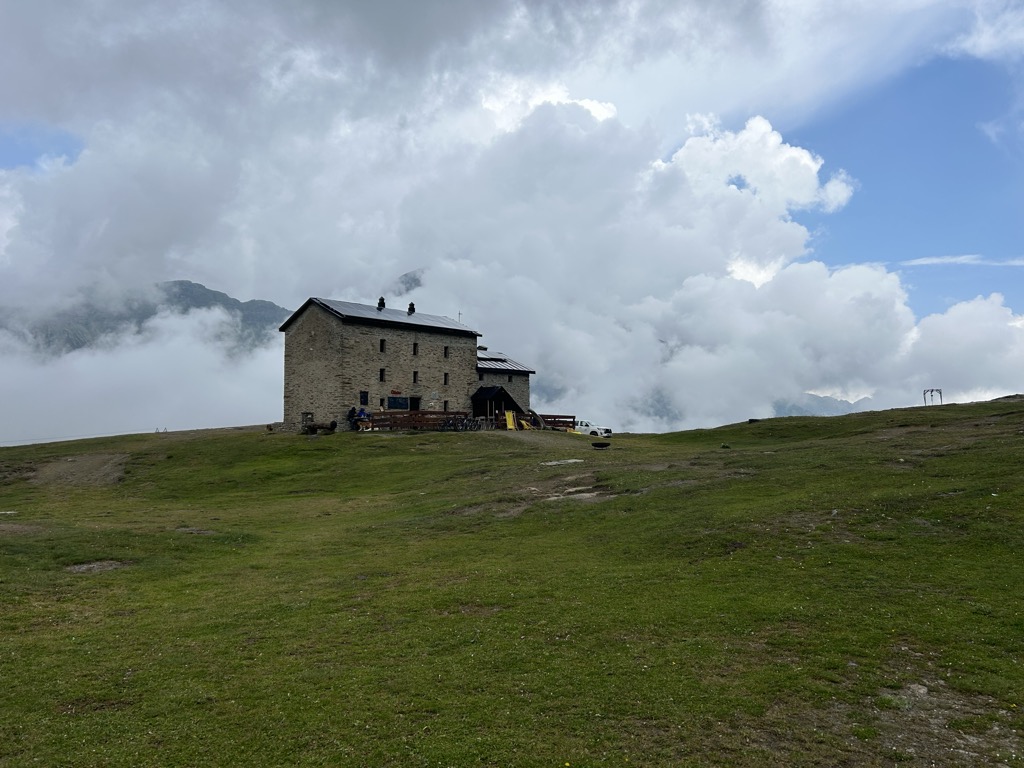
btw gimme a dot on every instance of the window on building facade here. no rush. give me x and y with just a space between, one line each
364 397
446 379
383 346
479 377
381 403
382 372
446 405
510 378
415 377
415 347
446 351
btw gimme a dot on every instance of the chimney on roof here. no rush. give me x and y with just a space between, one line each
380 303
412 308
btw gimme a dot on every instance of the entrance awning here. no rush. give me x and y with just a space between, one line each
487 401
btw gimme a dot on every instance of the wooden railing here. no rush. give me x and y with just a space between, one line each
440 420
558 421
546 421
410 420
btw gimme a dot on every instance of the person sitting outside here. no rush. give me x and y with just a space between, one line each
364 420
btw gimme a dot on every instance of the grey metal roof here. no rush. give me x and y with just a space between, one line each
365 313
497 361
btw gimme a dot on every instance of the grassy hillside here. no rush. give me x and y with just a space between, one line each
800 591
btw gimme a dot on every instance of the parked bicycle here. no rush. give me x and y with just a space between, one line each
460 424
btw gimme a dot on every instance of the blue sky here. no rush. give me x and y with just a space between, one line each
679 214
932 180
27 144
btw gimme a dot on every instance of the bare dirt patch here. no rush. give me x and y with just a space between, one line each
18 529
10 472
580 494
87 706
929 723
921 725
925 721
96 566
580 487
88 469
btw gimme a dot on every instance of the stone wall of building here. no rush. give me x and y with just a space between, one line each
313 366
516 384
331 365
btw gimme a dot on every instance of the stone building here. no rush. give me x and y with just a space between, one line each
339 354
498 371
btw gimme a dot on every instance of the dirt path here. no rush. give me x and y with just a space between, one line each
88 469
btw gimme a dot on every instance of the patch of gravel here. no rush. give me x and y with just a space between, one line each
96 567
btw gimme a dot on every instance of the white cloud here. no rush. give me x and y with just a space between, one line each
556 170
967 259
998 31
10 211
974 350
174 375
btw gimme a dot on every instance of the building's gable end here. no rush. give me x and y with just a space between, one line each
498 369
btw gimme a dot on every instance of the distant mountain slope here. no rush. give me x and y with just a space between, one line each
816 405
262 317
85 324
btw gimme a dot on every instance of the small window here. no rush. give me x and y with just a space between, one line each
479 377
415 347
364 397
446 351
446 405
510 378
446 379
383 371
383 347
415 377
381 403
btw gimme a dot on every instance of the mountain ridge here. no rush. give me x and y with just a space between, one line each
86 323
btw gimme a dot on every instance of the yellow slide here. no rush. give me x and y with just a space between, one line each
510 420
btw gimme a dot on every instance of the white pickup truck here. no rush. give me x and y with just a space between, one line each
589 428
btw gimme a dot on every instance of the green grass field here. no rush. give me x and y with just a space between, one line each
791 592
